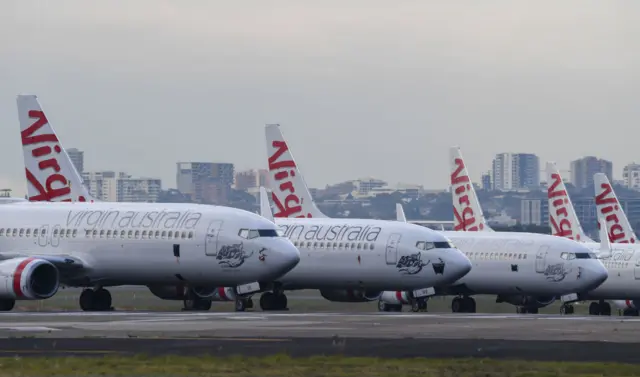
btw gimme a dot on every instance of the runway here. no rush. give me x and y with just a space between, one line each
541 337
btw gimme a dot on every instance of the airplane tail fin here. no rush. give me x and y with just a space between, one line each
467 213
50 173
562 216
265 207
609 209
400 213
289 191
605 243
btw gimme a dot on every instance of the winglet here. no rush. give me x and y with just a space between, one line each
265 208
400 213
605 243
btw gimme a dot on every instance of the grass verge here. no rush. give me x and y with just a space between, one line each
284 366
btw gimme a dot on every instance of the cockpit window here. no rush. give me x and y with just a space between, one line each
443 245
255 233
422 245
268 233
586 256
567 256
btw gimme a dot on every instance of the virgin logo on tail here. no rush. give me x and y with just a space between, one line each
291 205
608 205
466 219
46 157
558 201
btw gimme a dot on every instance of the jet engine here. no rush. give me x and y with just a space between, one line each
528 301
397 297
28 279
628 304
350 295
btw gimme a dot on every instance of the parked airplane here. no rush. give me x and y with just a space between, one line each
348 260
623 263
96 245
524 269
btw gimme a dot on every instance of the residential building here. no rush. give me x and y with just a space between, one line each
583 170
244 180
516 171
631 176
77 158
110 186
486 181
205 182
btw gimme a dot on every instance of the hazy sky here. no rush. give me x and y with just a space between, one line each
360 87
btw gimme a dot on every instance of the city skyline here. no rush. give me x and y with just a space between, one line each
360 89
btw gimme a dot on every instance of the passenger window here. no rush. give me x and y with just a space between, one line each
122 233
102 232
144 234
164 234
21 232
75 232
55 232
190 234
371 247
68 233
35 232
359 245
95 232
137 234
2 232
322 245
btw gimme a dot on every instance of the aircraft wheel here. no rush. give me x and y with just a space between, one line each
456 305
7 305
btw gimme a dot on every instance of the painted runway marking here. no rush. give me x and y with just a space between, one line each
28 328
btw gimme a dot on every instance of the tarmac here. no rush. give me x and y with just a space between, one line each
397 335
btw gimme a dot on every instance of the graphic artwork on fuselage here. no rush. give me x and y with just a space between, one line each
111 219
233 256
557 272
411 264
331 232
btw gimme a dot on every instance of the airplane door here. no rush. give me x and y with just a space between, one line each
391 254
42 235
211 238
541 259
636 270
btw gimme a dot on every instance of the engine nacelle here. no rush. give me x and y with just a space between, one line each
350 295
397 297
180 292
627 304
528 301
28 279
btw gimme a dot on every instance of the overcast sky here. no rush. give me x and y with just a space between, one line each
360 87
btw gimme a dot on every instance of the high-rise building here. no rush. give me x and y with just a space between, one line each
247 179
205 182
582 171
631 176
77 158
263 177
516 171
110 186
486 181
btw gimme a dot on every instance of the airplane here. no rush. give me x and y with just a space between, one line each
348 260
623 262
524 269
186 249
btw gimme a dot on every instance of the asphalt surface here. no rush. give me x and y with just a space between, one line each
531 337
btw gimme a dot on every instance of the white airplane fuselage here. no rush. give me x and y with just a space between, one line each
370 254
506 263
144 243
624 273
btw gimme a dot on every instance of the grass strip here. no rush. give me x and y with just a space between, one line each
285 366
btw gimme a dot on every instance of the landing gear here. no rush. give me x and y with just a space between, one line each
384 307
7 305
566 309
630 312
600 308
273 301
463 304
526 309
98 300
195 303
243 304
419 305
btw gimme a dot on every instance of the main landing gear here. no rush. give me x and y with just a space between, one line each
98 300
600 308
275 300
419 305
628 312
464 304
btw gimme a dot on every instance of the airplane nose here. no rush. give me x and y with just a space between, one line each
595 275
284 256
462 264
